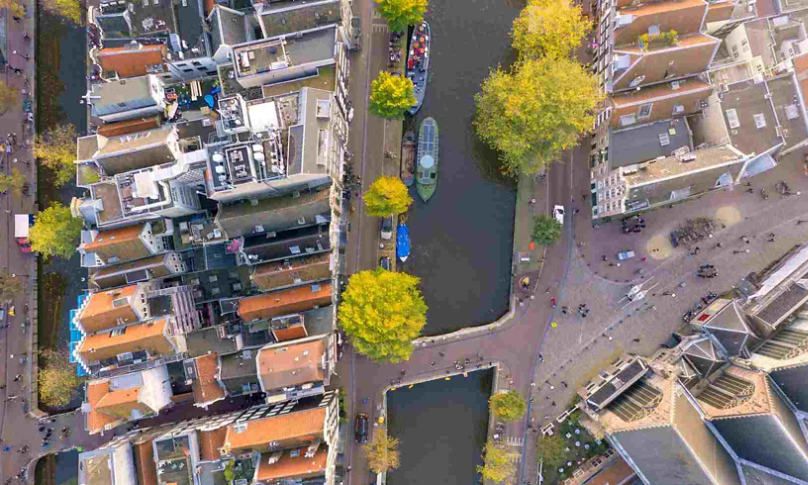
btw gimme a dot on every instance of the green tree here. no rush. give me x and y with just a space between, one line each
382 312
55 232
551 28
56 149
400 14
11 285
391 96
69 10
546 230
551 450
9 97
58 381
382 452
387 196
15 181
498 463
509 405
535 111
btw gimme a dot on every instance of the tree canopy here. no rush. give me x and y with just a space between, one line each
498 463
11 285
15 181
391 96
382 312
69 10
551 450
58 381
382 452
55 232
509 405
9 97
387 196
546 230
56 149
535 111
13 6
551 28
400 14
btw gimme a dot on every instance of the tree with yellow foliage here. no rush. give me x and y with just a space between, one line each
16 181
56 149
387 196
535 111
498 464
9 97
58 381
549 28
56 232
382 452
400 14
13 6
391 96
69 10
382 312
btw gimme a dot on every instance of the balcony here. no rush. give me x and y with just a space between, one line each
662 40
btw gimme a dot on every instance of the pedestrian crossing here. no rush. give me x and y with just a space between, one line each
514 441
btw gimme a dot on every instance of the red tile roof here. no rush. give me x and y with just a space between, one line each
206 387
129 62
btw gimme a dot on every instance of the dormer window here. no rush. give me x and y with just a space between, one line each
636 81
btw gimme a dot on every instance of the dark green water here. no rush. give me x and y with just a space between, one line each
442 426
462 239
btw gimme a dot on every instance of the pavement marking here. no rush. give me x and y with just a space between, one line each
514 441
380 28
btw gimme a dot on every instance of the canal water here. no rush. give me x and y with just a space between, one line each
462 239
442 426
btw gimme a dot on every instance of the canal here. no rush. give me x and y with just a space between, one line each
462 239
442 426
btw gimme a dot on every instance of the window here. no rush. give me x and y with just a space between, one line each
196 63
664 139
628 120
188 70
125 356
732 118
117 331
240 428
182 64
675 85
760 121
636 81
678 108
645 111
121 105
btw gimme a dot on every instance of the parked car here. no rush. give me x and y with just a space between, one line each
387 228
361 428
558 213
625 255
384 262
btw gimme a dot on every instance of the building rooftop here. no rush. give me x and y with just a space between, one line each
287 245
211 441
206 388
149 336
291 272
105 94
96 420
245 163
121 128
122 244
105 308
672 166
312 157
287 17
305 426
785 95
282 59
239 372
646 142
211 339
305 462
144 463
133 60
613 381
274 214
784 304
294 363
748 113
136 151
293 300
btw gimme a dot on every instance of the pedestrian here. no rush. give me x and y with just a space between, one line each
564 310
442 354
532 201
643 259
577 210
636 340
552 403
432 363
16 19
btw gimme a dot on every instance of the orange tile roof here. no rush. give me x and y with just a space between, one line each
144 336
100 314
307 424
284 302
211 442
115 236
128 62
801 69
292 332
290 365
147 469
615 473
206 387
131 126
292 466
119 397
96 421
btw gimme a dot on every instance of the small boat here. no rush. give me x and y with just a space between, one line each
408 159
426 178
403 242
417 68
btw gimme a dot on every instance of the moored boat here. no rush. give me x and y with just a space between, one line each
403 242
426 177
417 68
408 159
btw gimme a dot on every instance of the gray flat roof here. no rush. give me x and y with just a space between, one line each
645 142
749 117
